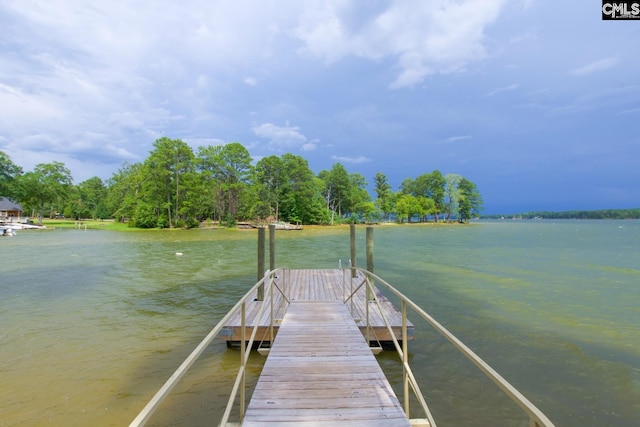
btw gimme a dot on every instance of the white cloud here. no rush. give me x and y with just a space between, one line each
95 83
422 37
283 138
360 159
594 67
309 146
630 111
123 70
458 138
503 89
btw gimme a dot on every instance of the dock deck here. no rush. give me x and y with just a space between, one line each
320 370
317 285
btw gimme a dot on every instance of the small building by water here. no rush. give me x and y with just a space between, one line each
10 211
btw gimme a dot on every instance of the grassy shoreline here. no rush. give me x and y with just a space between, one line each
91 224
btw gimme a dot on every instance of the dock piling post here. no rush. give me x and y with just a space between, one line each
369 243
261 240
352 235
272 247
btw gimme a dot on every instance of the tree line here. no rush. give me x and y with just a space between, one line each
176 186
578 214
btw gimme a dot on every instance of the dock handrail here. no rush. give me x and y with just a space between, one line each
536 417
158 398
367 278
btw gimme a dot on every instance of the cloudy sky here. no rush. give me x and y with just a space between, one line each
536 101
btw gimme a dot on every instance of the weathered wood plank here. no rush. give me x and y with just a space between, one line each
313 285
332 378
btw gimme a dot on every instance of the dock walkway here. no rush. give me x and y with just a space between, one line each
317 285
321 370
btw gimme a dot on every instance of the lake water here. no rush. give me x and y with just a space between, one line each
93 322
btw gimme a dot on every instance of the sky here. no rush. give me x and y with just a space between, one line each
535 101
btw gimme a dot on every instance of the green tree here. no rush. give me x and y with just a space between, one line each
124 192
452 193
9 172
92 197
408 186
236 173
74 208
384 195
470 200
336 190
221 183
358 200
427 207
46 187
432 186
436 191
407 206
367 211
167 163
191 210
210 167
302 200
271 177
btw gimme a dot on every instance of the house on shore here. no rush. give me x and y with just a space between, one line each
10 211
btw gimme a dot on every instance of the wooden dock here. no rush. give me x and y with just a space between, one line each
320 368
317 285
321 371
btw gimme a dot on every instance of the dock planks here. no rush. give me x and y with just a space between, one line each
320 371
317 285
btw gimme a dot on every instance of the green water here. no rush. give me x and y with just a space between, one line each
92 323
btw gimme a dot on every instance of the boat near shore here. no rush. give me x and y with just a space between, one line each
6 231
9 228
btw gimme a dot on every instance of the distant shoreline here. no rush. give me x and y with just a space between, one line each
572 214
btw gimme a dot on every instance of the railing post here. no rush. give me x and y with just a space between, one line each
366 303
344 288
286 283
351 289
271 315
243 336
405 358
286 289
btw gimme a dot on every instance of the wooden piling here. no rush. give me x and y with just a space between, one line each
261 248
369 250
352 235
272 247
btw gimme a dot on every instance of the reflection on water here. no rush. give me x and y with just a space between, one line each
94 322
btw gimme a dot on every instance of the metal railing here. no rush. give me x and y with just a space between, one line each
239 385
536 417
366 279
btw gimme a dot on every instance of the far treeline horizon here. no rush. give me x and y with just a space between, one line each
633 213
